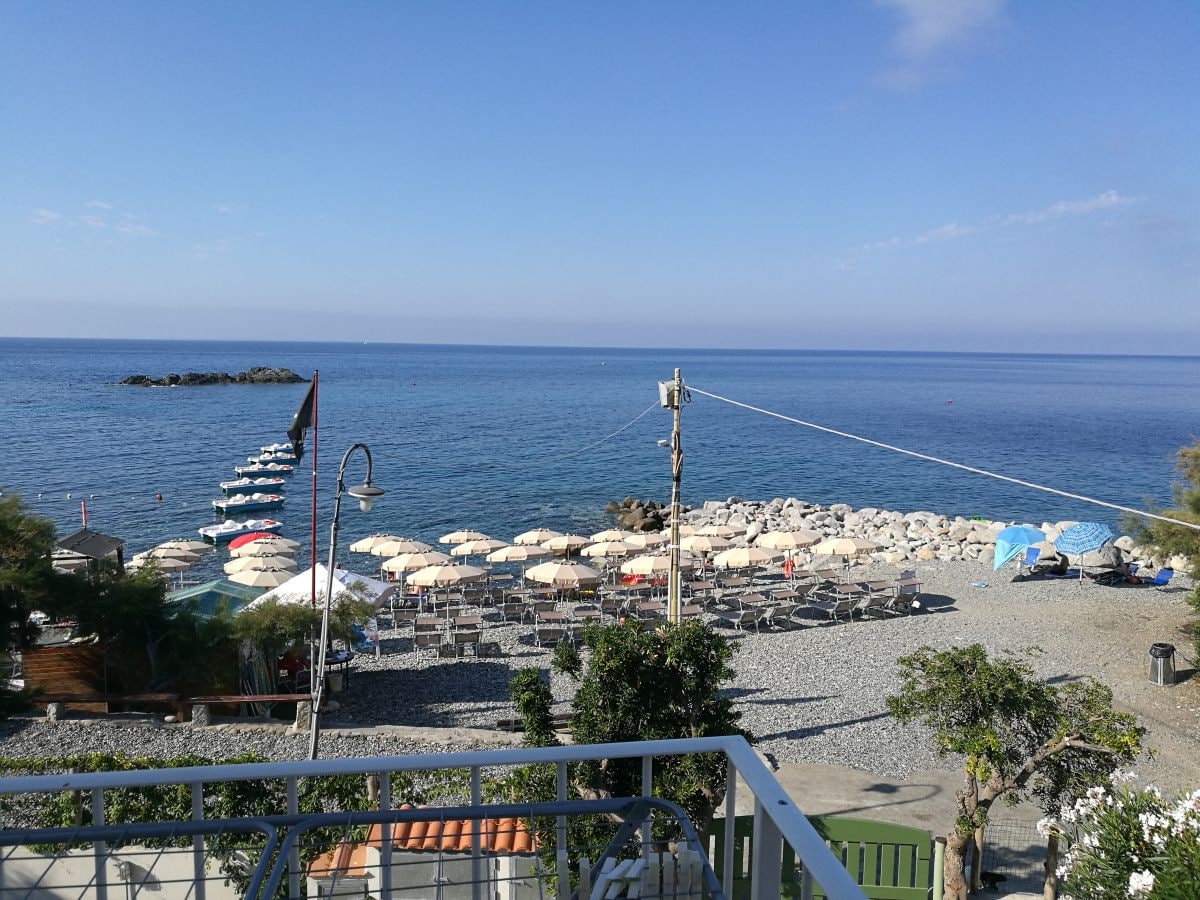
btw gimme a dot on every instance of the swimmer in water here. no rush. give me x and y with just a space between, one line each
158 497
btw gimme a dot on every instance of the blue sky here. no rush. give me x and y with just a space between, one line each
899 174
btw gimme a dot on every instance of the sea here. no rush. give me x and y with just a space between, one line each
502 439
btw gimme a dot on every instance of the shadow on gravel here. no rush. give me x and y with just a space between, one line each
813 730
937 603
424 695
909 793
790 701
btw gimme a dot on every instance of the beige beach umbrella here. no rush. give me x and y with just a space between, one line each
259 547
250 563
788 540
185 544
168 553
278 541
649 539
719 530
655 564
367 544
414 562
162 564
461 537
536 537
744 557
522 554
609 549
478 548
566 543
844 546
446 575
704 543
612 534
263 578
563 575
398 546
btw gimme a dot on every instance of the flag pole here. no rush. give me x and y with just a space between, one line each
313 532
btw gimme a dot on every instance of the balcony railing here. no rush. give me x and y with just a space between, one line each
35 864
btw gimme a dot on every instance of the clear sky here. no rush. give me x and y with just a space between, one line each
903 174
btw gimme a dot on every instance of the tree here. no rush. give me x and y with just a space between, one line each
1020 737
636 685
1170 538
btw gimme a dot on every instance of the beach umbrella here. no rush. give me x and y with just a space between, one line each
704 543
1081 538
242 539
563 574
261 546
565 543
478 548
788 540
250 563
844 546
609 548
414 562
655 564
262 578
537 536
396 546
365 545
1014 540
461 537
518 553
297 590
648 539
744 557
447 575
184 544
611 534
168 553
162 564
725 531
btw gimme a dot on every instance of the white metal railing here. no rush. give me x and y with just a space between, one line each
776 817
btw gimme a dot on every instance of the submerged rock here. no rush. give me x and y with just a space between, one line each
257 375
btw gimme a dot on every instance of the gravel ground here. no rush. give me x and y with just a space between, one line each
812 694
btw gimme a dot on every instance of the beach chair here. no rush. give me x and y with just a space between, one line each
1026 565
835 609
466 640
1160 579
781 616
741 619
908 590
426 644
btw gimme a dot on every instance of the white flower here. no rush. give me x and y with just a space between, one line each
1118 777
1045 827
1141 883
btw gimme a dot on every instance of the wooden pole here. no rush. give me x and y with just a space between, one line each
673 584
313 530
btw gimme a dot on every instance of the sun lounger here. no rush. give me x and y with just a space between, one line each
835 608
741 619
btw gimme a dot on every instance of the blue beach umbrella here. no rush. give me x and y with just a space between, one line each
1083 537
1013 541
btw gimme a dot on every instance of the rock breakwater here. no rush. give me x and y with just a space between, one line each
257 375
902 536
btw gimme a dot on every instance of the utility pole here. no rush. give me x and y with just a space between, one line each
675 398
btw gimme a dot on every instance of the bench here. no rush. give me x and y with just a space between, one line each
200 705
107 701
560 722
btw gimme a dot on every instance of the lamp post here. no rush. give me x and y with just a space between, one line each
366 494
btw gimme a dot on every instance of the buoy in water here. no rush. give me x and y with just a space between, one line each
158 497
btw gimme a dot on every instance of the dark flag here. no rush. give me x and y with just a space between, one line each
305 416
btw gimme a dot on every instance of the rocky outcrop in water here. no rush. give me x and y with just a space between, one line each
257 375
641 515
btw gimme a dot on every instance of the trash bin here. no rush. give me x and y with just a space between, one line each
337 682
1162 664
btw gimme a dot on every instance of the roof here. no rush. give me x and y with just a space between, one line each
91 544
502 836
212 597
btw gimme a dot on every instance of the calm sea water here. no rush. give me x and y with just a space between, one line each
490 438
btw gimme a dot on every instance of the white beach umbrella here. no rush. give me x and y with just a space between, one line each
261 546
612 534
278 540
250 563
844 546
185 544
414 562
563 574
655 564
744 557
648 539
704 543
725 531
447 575
263 578
788 540
478 548
523 553
566 543
461 537
162 564
609 549
537 536
397 546
168 553
365 545
297 590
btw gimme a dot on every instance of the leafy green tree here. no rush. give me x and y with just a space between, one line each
1173 539
1019 737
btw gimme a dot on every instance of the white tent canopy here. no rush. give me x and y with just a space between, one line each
298 589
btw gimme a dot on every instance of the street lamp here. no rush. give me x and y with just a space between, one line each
366 494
